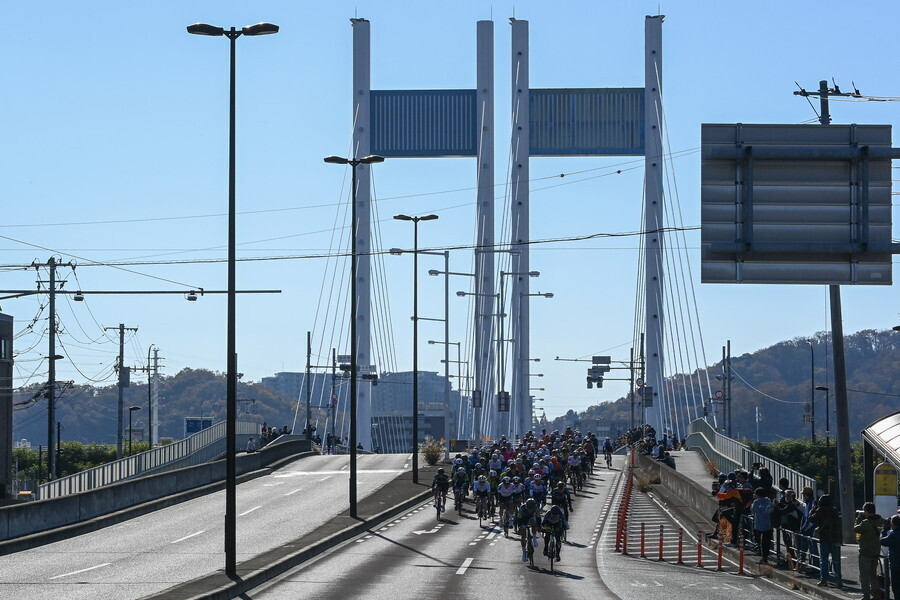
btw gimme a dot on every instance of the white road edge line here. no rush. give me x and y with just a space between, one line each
187 537
250 511
465 565
89 569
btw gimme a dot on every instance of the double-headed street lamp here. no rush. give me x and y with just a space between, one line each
415 409
231 349
354 162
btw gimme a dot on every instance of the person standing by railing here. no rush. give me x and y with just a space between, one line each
868 530
828 530
891 540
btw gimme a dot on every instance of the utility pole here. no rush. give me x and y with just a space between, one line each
308 386
123 382
842 412
152 370
52 356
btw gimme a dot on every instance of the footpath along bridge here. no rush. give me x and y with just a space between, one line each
296 537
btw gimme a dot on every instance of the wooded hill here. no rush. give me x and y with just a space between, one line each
777 381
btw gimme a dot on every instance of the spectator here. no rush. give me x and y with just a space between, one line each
730 509
807 549
790 514
762 522
286 431
868 529
827 520
891 540
251 445
765 481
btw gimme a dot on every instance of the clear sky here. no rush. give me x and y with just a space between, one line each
115 151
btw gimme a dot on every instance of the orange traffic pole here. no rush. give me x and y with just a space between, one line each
660 543
719 565
680 546
700 549
741 561
643 554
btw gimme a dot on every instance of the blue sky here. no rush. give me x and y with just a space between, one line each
115 150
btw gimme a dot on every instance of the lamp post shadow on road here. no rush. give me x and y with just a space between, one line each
231 351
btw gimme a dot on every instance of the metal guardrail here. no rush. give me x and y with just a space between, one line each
193 450
730 454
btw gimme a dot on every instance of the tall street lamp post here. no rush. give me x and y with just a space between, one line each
446 320
355 162
231 349
131 410
415 390
826 389
812 389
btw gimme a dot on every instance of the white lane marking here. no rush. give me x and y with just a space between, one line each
250 511
342 471
755 588
491 535
187 537
326 477
294 492
83 570
472 543
465 565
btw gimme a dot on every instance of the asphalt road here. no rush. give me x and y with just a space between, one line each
417 556
161 549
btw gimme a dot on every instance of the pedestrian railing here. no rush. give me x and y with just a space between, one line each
196 449
730 455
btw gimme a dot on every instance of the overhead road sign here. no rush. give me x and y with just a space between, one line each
796 204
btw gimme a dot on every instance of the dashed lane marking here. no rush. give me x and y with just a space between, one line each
465 565
250 511
187 537
85 570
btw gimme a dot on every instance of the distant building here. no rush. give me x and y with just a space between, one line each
287 383
6 402
392 410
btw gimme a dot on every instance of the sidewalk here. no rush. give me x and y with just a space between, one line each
396 497
692 465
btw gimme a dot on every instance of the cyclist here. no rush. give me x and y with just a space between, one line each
607 450
494 480
574 464
461 483
560 496
440 485
481 490
506 492
526 525
496 463
538 490
554 523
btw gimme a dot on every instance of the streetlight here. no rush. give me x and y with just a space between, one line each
131 410
355 162
826 389
812 389
415 407
231 350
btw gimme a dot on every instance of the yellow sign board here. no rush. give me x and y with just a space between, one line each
885 480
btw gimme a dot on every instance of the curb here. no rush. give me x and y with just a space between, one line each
231 588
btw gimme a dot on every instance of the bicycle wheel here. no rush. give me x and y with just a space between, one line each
437 505
529 547
506 520
551 549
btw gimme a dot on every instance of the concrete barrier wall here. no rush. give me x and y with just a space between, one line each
34 517
680 492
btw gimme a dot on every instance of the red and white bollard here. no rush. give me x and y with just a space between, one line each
741 561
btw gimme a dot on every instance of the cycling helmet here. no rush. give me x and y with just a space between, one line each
440 471
530 503
517 479
537 476
556 510
561 485
482 478
506 480
493 473
458 461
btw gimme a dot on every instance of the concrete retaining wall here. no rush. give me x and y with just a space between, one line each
692 501
31 518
